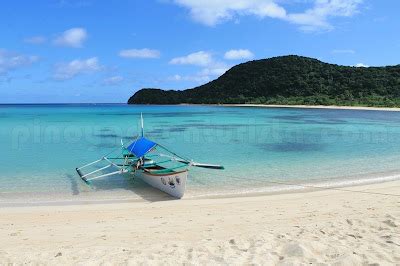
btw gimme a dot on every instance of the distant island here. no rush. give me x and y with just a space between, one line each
289 80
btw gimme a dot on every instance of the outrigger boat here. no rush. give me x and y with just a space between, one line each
147 160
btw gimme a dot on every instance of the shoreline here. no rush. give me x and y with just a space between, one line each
328 226
393 185
328 107
342 184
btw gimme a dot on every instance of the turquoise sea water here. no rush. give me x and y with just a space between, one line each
262 149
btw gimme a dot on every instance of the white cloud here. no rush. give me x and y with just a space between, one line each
216 69
211 68
74 37
200 58
238 54
193 78
175 77
212 12
76 67
204 75
343 51
361 65
10 60
140 53
35 40
113 80
316 18
212 72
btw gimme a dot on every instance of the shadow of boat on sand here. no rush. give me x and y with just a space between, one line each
123 182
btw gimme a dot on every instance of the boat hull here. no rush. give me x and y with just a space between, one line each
173 184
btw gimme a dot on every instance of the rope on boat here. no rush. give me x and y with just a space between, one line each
309 186
173 153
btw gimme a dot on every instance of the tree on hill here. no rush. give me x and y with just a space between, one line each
289 80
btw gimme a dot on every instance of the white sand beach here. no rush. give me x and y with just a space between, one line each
334 107
328 226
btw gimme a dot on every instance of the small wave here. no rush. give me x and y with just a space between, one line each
295 187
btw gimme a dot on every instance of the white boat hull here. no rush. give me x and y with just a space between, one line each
172 184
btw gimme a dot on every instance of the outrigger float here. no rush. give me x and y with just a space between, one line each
149 161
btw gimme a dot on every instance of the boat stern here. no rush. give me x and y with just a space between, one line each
173 184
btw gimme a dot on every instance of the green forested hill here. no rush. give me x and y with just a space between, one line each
289 80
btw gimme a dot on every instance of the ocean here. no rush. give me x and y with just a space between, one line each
263 150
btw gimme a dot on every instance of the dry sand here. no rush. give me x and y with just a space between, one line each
329 226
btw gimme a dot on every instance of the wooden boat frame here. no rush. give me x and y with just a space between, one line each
138 158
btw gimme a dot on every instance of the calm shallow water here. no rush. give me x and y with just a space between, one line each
260 147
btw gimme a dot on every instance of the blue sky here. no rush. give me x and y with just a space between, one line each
54 51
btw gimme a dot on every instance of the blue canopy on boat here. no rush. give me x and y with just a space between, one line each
141 146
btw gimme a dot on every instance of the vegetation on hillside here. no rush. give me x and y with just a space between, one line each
289 80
